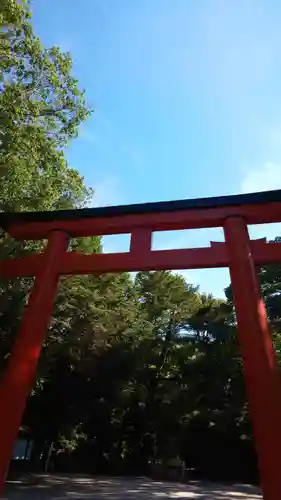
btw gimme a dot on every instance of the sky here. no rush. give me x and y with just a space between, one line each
187 103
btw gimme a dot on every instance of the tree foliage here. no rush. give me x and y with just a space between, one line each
134 371
41 108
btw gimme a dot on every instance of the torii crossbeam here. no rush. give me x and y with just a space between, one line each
238 252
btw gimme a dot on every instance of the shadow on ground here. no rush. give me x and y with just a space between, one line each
62 487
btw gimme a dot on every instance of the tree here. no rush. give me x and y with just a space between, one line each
89 349
132 370
41 108
167 301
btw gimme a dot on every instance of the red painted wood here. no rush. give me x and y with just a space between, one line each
262 252
20 373
191 258
189 219
141 240
266 253
27 266
260 367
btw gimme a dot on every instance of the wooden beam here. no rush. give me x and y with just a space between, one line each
162 221
141 259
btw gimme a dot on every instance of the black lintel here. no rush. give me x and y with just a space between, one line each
8 218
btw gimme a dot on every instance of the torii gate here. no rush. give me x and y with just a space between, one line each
239 253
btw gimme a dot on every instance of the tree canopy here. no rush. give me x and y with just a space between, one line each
135 371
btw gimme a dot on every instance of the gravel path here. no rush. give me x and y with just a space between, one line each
71 487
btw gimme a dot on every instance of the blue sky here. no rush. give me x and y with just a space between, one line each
187 102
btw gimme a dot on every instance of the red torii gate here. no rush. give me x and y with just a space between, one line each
239 253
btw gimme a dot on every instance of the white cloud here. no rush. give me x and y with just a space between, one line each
264 178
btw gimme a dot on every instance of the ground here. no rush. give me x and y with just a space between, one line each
72 487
